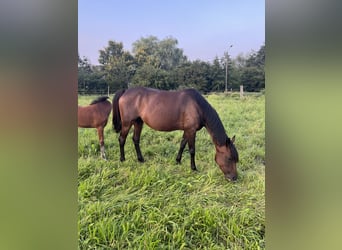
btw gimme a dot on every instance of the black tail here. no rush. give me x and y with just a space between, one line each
116 111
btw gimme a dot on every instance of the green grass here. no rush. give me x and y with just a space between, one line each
162 205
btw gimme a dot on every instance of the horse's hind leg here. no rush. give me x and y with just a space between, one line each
122 140
138 125
181 149
101 139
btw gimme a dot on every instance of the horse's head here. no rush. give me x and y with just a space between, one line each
226 157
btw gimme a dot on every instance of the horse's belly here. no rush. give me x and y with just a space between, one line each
169 124
91 122
162 117
163 126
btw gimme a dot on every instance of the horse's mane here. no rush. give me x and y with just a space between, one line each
99 99
213 123
211 119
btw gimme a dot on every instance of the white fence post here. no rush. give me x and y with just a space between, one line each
241 91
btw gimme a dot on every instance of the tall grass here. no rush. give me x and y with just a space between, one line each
163 205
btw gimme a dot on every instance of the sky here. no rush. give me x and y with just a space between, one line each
204 29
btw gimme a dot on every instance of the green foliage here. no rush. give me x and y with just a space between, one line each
144 51
90 78
157 61
217 75
197 76
253 74
117 64
161 64
163 205
162 54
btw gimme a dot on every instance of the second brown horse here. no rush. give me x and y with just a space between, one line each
183 110
95 115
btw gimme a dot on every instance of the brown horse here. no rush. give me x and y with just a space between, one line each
95 115
183 110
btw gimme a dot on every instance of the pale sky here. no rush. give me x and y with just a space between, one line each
204 28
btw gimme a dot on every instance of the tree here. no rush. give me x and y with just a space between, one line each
90 78
118 65
195 75
156 61
253 74
113 50
161 64
84 74
234 75
145 50
217 75
169 56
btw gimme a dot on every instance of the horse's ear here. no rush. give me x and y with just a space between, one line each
230 141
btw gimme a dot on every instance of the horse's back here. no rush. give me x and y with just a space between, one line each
159 109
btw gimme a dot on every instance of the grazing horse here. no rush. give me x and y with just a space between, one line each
183 110
95 115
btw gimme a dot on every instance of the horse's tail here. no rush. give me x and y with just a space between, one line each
116 111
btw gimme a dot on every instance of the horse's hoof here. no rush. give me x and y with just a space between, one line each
178 161
122 159
141 160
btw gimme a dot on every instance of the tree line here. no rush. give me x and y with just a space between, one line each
161 64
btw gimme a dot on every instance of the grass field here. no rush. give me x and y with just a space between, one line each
162 205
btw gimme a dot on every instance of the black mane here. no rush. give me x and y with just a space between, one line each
211 119
99 99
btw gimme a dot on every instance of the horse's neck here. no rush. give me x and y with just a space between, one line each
216 131
214 137
211 120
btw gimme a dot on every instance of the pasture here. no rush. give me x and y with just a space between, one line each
160 204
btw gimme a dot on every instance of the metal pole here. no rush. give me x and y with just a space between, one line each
226 87
225 90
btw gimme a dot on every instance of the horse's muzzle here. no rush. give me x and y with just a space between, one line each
231 178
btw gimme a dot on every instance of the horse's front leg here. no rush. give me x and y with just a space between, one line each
138 125
181 149
101 139
191 143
